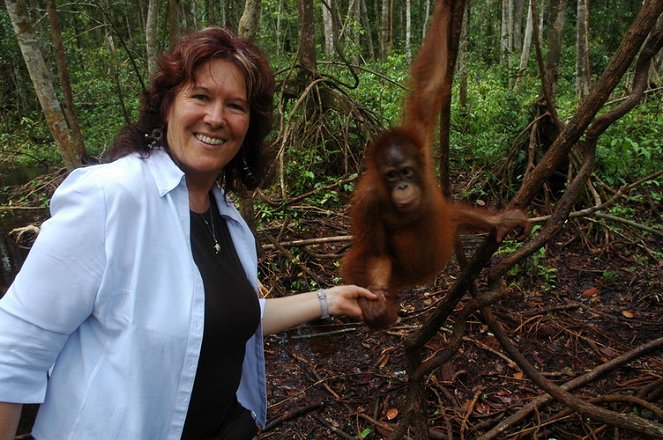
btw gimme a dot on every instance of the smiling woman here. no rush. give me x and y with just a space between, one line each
206 126
136 314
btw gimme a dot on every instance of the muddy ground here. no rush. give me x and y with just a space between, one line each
590 298
577 307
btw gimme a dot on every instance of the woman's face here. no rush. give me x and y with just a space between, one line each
208 120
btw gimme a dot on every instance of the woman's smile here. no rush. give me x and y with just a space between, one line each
208 139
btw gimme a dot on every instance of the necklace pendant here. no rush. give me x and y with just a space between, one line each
217 247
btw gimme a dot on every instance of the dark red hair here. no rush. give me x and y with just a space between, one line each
176 69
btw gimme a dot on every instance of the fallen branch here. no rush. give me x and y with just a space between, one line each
292 414
22 208
323 334
565 414
309 241
612 418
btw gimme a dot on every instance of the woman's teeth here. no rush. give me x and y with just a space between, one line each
208 140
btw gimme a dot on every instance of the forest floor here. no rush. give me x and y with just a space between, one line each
578 308
571 310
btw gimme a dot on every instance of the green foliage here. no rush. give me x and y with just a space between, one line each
632 148
382 87
494 116
365 433
535 267
27 144
325 142
98 104
280 26
482 132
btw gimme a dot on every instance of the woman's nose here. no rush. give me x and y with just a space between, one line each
215 116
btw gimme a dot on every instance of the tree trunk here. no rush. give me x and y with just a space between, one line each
32 54
505 32
151 36
367 27
424 26
408 30
248 24
656 66
582 50
554 40
527 44
518 9
328 27
306 53
70 113
453 41
224 17
463 49
384 30
173 21
356 16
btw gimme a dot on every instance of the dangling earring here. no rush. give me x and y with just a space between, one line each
154 138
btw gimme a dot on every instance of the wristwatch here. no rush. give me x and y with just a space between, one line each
324 307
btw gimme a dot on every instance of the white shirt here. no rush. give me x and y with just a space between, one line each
111 302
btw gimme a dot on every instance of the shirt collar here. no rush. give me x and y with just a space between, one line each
166 174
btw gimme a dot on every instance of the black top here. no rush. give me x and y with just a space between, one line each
232 314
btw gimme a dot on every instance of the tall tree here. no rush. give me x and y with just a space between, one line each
384 30
173 21
518 13
463 49
328 27
408 30
151 36
32 54
69 108
366 23
306 51
248 23
582 50
506 32
354 16
554 42
527 43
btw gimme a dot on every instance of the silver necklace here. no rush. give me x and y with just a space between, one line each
211 230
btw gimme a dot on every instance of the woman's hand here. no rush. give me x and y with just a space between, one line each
342 300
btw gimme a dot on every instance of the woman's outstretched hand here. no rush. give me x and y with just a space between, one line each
342 300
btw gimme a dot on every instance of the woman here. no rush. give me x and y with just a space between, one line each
135 316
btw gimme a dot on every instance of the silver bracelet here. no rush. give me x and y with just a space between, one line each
324 307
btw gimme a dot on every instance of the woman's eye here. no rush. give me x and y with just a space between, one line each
200 97
238 107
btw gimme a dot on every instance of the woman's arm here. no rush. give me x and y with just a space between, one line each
10 414
290 311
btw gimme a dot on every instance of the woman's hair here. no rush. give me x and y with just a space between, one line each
176 69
